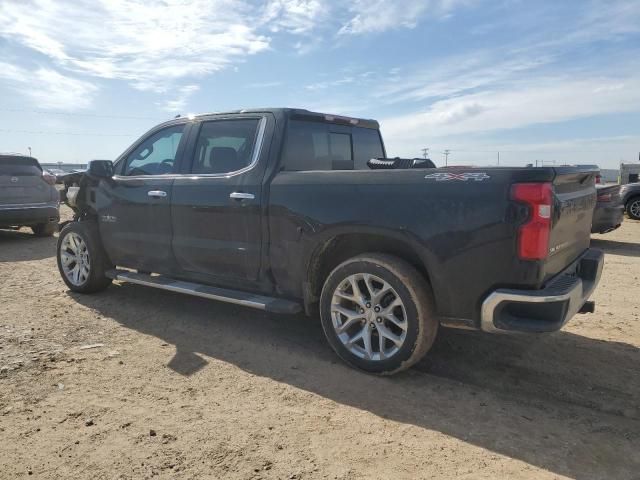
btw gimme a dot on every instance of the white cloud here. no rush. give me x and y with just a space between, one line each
541 100
294 16
47 88
148 45
178 104
371 16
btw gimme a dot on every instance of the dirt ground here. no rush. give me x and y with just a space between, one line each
136 383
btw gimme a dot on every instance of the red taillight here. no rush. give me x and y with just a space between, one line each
49 178
598 178
533 236
605 197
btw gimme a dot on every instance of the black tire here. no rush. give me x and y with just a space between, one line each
633 204
99 262
414 292
45 229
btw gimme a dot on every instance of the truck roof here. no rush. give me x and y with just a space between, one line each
302 114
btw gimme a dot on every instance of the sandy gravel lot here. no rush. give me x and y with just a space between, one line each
180 387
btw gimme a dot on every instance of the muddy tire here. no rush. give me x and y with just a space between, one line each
82 261
45 229
378 314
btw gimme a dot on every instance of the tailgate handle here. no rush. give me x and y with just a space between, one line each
157 193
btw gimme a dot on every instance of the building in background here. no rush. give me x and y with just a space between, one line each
629 173
610 175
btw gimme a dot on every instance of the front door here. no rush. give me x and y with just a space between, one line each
216 208
134 208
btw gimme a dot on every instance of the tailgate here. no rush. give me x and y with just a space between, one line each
574 201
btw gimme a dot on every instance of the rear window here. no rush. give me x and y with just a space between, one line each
320 146
367 144
19 166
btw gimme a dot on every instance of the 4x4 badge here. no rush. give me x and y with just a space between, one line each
463 177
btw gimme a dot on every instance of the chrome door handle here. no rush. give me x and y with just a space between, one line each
242 196
157 193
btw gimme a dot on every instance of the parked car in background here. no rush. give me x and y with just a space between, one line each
283 210
609 212
28 196
630 194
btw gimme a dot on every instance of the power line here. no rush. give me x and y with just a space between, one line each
87 134
77 114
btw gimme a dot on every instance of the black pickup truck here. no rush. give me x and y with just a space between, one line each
284 210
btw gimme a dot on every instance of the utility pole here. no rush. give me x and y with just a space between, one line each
29 150
446 157
498 158
425 153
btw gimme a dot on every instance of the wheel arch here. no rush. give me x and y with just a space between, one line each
341 246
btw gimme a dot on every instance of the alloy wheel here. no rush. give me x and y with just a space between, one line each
74 258
369 317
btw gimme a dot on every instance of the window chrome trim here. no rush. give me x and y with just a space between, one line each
257 149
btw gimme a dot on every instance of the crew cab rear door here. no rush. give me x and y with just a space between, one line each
217 207
134 208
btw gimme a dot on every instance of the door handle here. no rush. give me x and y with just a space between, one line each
157 194
242 196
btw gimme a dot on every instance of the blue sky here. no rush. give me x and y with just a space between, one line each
544 80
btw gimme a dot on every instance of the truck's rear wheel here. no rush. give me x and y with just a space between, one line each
82 261
377 313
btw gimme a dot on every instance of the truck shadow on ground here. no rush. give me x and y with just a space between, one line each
23 246
562 402
626 249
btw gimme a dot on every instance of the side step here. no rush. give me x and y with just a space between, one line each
268 304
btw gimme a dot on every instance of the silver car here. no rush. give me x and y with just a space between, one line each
28 197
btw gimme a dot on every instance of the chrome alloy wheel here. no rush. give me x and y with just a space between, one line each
74 258
369 317
634 208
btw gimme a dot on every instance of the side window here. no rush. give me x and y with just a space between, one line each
311 146
156 155
225 146
366 145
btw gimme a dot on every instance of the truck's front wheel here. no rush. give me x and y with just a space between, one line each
377 313
81 259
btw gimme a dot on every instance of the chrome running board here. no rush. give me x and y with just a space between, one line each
237 297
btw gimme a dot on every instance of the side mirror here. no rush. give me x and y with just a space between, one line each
100 169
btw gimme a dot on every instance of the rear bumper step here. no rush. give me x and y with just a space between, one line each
260 302
548 309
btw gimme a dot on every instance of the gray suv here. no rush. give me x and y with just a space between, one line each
28 197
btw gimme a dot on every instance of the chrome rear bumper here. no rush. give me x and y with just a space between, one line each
548 309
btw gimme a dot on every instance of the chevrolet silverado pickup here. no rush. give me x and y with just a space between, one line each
287 210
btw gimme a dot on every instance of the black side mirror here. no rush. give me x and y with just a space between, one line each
100 169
